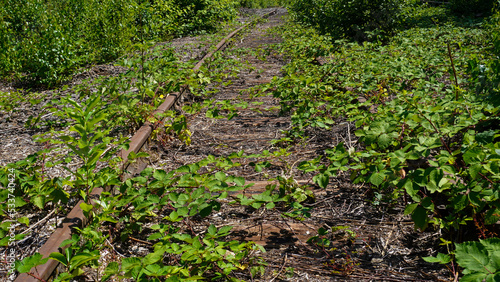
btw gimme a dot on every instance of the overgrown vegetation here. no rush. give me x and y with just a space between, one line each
425 106
423 102
90 132
45 42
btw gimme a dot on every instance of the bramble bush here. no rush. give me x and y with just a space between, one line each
349 18
425 108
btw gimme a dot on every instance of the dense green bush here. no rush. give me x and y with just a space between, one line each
471 7
45 41
204 14
428 128
359 19
485 74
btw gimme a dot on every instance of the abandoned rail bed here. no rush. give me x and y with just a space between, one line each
257 164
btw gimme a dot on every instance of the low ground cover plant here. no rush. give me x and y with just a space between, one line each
424 108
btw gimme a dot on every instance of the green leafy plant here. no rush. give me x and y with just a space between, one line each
479 259
421 140
92 145
73 259
25 265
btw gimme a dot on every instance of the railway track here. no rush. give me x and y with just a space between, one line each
76 217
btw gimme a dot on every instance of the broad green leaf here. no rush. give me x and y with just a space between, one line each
160 175
474 277
472 256
474 170
206 211
82 258
491 244
173 215
182 211
410 208
384 141
212 230
39 201
129 263
28 263
440 258
494 265
112 269
86 207
153 257
377 178
74 239
63 277
220 176
492 277
183 168
420 218
322 180
153 270
24 220
224 230
239 181
59 257
427 204
271 205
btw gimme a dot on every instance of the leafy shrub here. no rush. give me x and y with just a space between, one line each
494 31
46 41
349 18
485 74
428 137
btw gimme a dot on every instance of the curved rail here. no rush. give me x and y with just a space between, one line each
76 218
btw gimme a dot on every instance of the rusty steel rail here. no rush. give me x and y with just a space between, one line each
76 218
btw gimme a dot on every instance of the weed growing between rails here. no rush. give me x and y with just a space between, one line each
95 132
426 120
93 120
180 245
